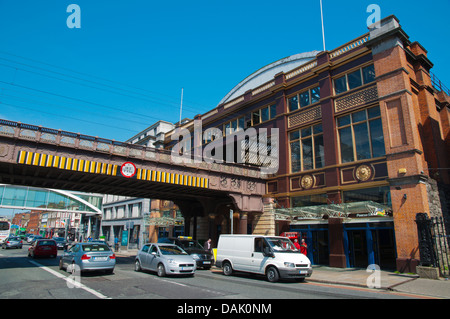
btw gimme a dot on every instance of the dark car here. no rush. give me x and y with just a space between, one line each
61 243
43 248
203 258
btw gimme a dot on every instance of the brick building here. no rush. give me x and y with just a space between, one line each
364 143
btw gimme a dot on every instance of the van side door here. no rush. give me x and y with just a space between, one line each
258 260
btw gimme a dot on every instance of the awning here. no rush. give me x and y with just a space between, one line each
345 210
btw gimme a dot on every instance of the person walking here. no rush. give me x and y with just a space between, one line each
208 246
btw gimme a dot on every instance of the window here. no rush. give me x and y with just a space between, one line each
260 245
310 200
303 99
293 103
361 135
228 128
354 79
259 116
381 195
256 119
307 150
273 111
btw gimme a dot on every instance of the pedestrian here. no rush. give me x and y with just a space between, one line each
296 244
208 246
116 243
304 247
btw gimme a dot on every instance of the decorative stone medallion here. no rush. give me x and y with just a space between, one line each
307 181
363 173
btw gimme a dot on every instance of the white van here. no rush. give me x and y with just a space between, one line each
272 256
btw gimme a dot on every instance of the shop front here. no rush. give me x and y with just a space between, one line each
352 235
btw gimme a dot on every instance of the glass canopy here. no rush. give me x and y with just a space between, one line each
345 210
12 196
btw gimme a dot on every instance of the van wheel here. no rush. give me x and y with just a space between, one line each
227 269
272 274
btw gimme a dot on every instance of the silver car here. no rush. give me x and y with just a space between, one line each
88 257
165 259
12 242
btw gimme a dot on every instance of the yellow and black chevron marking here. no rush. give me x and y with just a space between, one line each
172 178
73 164
66 163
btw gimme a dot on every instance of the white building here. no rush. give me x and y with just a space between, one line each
123 216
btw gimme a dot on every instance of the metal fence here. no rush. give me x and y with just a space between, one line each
433 243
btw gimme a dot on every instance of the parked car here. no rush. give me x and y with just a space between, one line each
43 248
61 243
30 238
34 238
203 258
165 259
12 242
88 257
272 256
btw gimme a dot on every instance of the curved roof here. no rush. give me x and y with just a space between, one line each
45 199
265 74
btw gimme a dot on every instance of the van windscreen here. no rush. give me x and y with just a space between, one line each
281 244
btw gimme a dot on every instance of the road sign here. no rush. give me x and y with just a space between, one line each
128 169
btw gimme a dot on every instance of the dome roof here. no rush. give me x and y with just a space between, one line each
265 74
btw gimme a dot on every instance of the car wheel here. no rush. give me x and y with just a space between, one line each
227 269
272 274
161 270
137 266
109 271
71 268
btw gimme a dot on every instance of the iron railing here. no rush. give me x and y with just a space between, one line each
438 85
433 243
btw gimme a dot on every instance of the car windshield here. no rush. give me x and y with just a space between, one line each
58 239
171 250
46 243
14 238
95 247
190 244
281 244
4 226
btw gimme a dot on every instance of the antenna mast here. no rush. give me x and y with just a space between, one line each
323 30
181 106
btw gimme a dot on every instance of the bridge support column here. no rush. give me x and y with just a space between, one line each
243 220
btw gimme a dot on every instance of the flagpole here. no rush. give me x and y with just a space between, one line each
323 30
181 106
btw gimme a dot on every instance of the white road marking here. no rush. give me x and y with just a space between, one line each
70 280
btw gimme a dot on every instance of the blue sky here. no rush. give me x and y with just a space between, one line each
133 57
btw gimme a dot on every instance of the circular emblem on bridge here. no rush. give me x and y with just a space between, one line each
128 169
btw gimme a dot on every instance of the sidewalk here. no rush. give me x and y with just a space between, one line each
392 281
356 277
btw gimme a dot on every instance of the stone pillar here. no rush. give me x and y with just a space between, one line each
243 218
